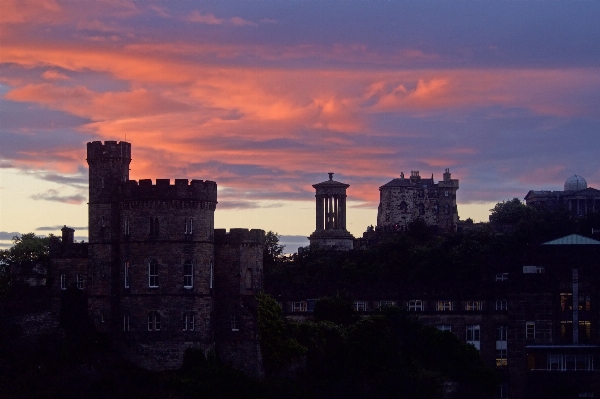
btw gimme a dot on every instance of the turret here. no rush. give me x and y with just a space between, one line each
109 165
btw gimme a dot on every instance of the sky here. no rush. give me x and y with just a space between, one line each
266 97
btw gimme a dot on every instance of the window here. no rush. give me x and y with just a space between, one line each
570 362
189 226
154 228
153 321
234 323
310 305
103 317
360 306
446 193
473 305
501 276
126 275
79 281
566 330
501 333
473 335
503 394
248 279
530 330
102 222
153 274
415 305
210 281
501 304
501 358
126 322
446 209
299 306
444 327
188 274
584 302
533 269
63 281
384 304
188 321
443 306
403 207
126 227
585 331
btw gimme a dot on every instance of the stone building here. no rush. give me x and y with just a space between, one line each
402 201
331 216
156 272
577 197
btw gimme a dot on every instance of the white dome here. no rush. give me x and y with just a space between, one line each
575 183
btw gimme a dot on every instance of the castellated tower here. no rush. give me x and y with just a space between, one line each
331 216
151 259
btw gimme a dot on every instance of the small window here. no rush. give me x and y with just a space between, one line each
188 274
248 279
501 333
63 281
415 305
443 306
154 228
103 317
474 335
102 222
446 194
153 274
126 227
79 281
126 275
501 304
501 361
299 306
530 330
502 277
153 321
234 323
102 182
210 279
126 323
188 321
444 327
360 306
473 305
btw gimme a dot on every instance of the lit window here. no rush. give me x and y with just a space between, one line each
585 331
473 335
360 306
299 306
188 274
530 330
501 358
501 304
584 302
126 275
444 327
566 301
473 305
234 323
415 305
443 306
153 274
63 281
188 321
153 321
501 276
79 282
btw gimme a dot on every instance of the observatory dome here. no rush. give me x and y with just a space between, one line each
575 183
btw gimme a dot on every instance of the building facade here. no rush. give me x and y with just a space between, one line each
155 266
402 201
576 197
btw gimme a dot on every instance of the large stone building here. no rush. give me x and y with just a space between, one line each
577 197
402 201
158 276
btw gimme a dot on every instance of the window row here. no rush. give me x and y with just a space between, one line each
154 320
414 305
154 226
583 302
79 281
153 274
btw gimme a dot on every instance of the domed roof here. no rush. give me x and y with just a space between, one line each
575 183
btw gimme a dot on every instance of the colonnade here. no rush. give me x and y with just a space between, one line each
331 212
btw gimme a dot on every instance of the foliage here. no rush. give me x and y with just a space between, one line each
272 251
337 309
278 348
27 249
511 212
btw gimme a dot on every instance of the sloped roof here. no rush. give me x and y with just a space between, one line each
573 239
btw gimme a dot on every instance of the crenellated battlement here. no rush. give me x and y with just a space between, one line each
239 236
96 150
197 190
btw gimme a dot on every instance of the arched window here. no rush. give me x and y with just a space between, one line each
403 207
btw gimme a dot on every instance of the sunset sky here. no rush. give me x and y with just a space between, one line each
266 97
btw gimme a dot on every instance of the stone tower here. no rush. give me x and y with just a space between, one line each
331 216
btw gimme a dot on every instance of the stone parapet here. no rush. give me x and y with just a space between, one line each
197 190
